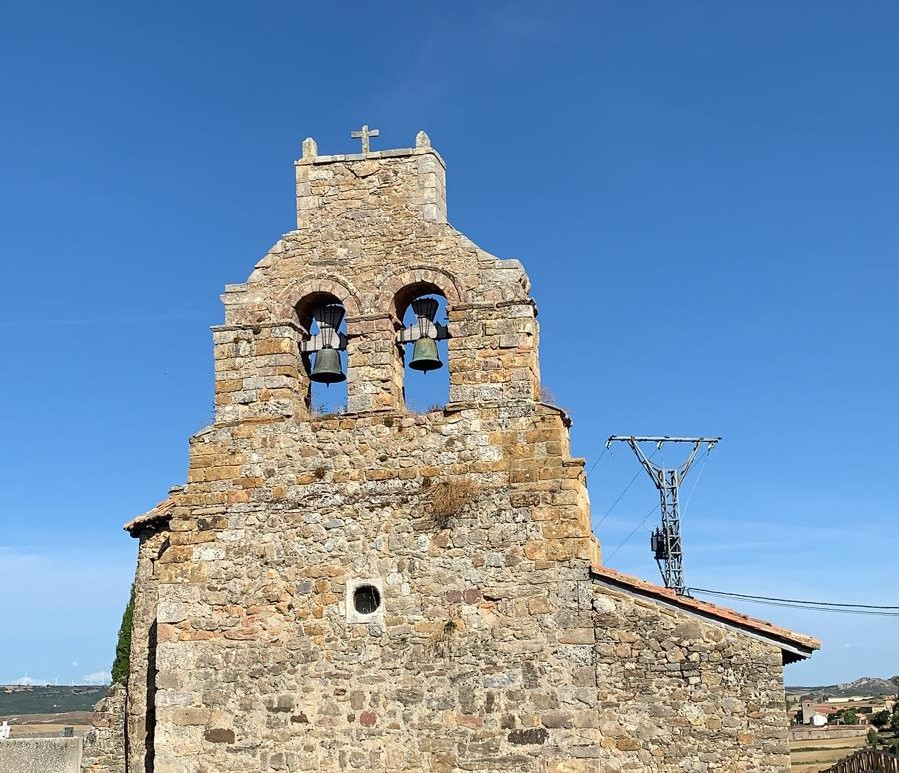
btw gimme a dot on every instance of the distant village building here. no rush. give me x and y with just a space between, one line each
806 712
384 590
820 713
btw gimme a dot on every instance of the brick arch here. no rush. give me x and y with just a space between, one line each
429 278
340 288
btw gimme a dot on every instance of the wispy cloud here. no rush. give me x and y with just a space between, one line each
68 601
524 20
19 553
163 316
27 681
97 677
459 49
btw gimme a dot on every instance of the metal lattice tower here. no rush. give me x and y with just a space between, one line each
666 541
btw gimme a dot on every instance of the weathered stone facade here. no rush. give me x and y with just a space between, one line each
495 646
141 711
103 748
677 689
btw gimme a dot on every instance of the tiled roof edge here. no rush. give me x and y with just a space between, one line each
162 511
722 614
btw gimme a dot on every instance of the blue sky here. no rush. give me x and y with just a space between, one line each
703 193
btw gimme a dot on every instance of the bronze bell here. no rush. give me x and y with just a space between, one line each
326 369
425 356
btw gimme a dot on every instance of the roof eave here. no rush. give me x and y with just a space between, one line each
794 646
159 514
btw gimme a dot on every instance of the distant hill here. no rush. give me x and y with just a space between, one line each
16 700
868 686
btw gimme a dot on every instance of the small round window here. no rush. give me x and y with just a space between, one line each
366 599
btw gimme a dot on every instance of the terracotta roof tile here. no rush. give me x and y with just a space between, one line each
723 614
162 511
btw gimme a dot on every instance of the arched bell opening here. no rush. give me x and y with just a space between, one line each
323 352
423 337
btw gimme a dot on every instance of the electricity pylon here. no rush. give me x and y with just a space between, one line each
666 541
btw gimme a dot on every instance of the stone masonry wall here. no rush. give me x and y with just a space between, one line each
141 704
104 744
261 665
472 521
683 694
484 636
366 243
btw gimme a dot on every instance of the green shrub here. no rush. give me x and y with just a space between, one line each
881 718
122 663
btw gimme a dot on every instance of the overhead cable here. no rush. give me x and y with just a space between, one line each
751 597
811 606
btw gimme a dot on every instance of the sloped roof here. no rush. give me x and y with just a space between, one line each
796 646
161 512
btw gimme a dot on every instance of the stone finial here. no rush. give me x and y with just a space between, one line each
422 140
310 148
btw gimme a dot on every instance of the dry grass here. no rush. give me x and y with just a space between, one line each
320 411
433 407
47 725
442 639
813 755
447 498
547 396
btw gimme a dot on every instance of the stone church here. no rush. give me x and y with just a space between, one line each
384 591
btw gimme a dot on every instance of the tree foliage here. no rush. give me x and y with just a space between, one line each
122 662
844 717
880 718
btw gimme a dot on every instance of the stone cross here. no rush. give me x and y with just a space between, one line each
364 134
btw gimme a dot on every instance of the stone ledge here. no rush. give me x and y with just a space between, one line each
496 304
373 155
254 325
566 418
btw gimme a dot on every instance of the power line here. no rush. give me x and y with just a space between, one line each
598 459
809 606
626 489
620 497
705 461
750 597
838 610
625 541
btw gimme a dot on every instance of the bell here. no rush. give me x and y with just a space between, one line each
326 369
424 355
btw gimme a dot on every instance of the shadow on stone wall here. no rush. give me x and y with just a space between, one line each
149 759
